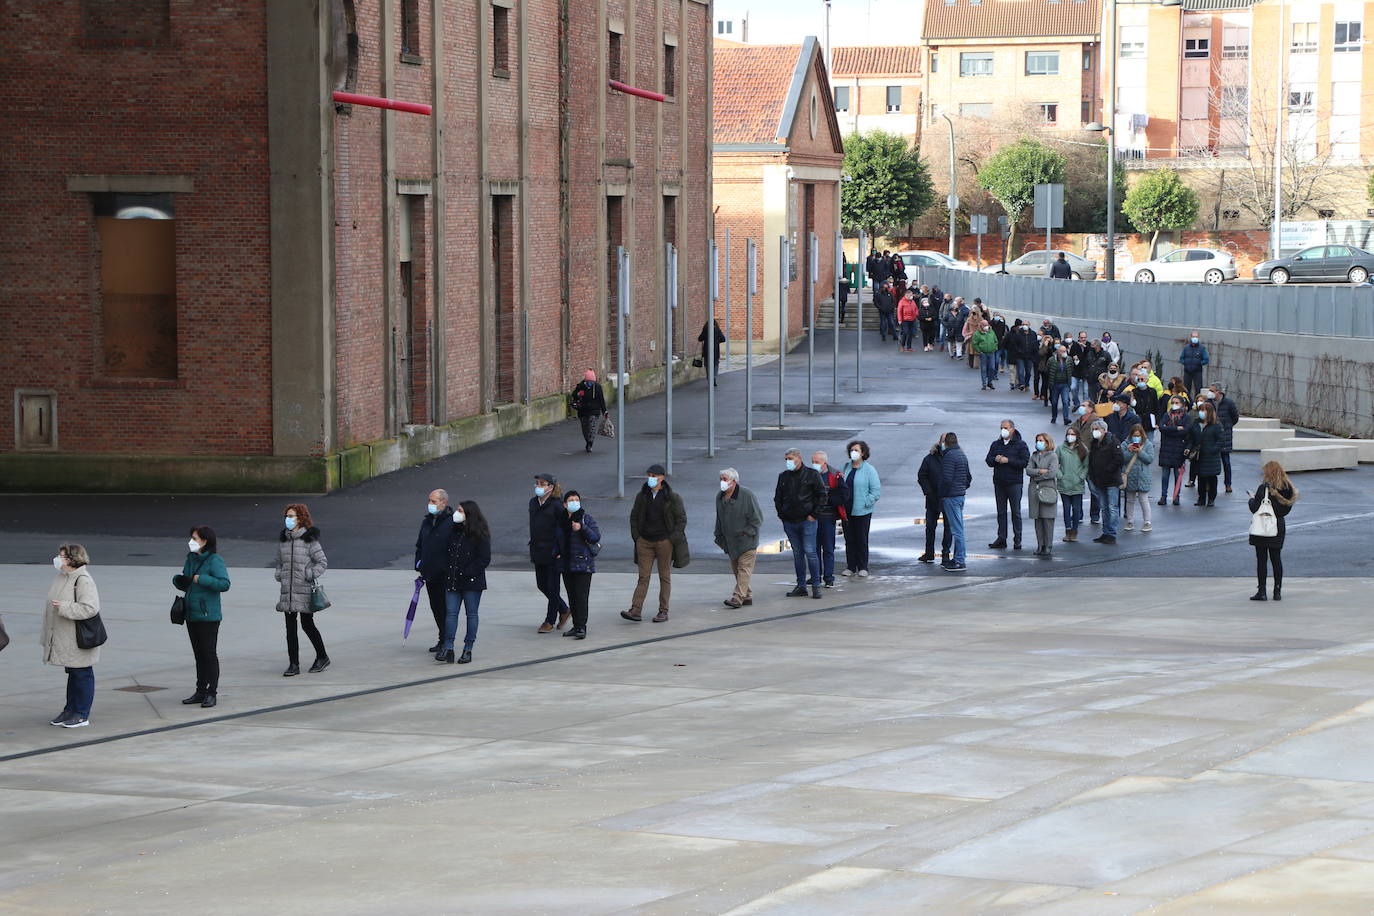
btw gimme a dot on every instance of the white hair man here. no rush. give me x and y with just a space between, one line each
738 520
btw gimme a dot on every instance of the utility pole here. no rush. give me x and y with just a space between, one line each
953 200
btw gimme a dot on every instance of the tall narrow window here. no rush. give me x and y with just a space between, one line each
138 299
934 62
894 99
669 69
1085 111
1087 58
841 98
613 70
500 41
410 27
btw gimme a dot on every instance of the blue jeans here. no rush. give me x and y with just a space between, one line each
825 547
452 602
1059 398
1001 359
1073 510
887 324
1023 372
953 508
987 363
1107 500
1165 474
80 691
908 332
1078 389
802 535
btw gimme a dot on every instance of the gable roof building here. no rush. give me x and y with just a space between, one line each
878 86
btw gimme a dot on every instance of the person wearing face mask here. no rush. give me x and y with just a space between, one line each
431 558
1138 452
1042 497
1079 352
907 314
954 328
1059 375
830 514
1122 417
1008 457
928 478
1281 493
1194 360
1073 471
579 536
1110 383
588 401
1110 347
976 317
546 515
1097 363
1175 431
928 311
955 478
658 528
798 498
1104 477
1000 331
469 555
71 597
1228 415
1207 445
203 578
985 345
864 491
1146 402
300 563
738 520
886 304
1022 349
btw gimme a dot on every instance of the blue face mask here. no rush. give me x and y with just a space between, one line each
1140 384
791 465
815 467
290 523
1039 446
1135 440
573 506
539 492
1082 411
433 509
652 482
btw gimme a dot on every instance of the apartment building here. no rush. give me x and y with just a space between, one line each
878 87
1036 59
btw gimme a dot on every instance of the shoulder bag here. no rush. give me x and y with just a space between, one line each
1126 474
1045 493
90 633
1264 523
318 599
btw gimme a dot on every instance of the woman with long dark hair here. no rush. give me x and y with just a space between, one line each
203 578
469 555
1280 493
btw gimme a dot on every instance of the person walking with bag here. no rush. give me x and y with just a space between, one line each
738 520
71 597
1042 496
658 528
1270 504
580 543
469 555
203 578
588 401
546 516
300 563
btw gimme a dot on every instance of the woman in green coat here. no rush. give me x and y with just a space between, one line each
1073 470
202 578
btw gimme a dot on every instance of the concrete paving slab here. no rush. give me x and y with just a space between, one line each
1319 885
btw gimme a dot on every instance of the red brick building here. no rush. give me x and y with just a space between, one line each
215 278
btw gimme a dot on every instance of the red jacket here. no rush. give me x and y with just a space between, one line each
906 310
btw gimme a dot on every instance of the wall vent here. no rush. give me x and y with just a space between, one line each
35 420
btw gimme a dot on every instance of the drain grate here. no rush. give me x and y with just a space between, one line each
140 688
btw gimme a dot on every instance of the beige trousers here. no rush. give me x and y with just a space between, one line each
646 554
743 568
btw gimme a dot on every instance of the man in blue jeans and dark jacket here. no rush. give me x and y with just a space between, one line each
1008 456
431 558
955 478
798 499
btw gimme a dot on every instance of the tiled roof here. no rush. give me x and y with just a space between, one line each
1010 19
876 60
750 91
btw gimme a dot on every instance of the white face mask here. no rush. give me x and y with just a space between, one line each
856 455
1175 407
193 546
57 563
458 516
1006 434
1097 434
1071 438
725 485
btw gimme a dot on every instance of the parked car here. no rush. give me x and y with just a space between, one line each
1187 265
1318 263
1037 264
927 258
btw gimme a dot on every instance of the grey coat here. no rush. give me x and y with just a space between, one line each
738 520
1049 461
300 563
76 597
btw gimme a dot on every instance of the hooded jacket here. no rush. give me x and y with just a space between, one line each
1104 461
300 563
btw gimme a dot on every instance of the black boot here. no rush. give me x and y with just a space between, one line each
1259 595
444 656
1278 592
193 699
292 670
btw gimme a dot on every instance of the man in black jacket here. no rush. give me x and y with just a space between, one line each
1060 269
929 479
1104 477
1008 457
799 495
886 304
955 478
431 558
658 528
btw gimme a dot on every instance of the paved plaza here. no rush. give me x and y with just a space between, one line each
1106 732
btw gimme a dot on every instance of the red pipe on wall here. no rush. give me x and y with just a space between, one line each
372 101
642 93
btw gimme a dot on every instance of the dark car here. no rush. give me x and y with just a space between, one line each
1330 263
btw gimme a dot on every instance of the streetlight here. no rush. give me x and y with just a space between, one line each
1109 259
953 200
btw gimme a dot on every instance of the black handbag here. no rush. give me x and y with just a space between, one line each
178 613
318 599
90 633
4 637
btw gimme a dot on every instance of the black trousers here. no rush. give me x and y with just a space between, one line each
856 541
1265 557
928 333
579 586
438 603
934 512
204 637
293 648
1192 380
1008 499
1207 488
546 577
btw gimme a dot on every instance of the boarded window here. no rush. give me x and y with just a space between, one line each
669 70
138 304
126 22
500 41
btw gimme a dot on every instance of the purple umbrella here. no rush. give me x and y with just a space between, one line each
414 600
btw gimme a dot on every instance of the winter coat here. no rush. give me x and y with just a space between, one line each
202 598
1138 479
1052 332
1023 344
1104 462
1282 502
907 310
955 476
1207 442
468 559
1146 405
865 489
575 553
431 547
1110 387
984 342
1047 461
1016 452
799 494
999 328
1060 269
719 339
545 518
954 323
1092 364
738 520
1194 357
1175 430
1113 351
1073 470
837 498
882 301
674 516
588 399
929 475
928 309
77 599
1119 424
1060 372
300 563
1228 415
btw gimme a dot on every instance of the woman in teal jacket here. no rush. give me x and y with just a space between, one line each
202 578
864 491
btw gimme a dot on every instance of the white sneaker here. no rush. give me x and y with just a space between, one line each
1146 527
863 574
1130 526
846 572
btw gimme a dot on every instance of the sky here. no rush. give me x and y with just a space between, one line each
852 22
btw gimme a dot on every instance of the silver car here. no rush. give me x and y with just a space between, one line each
1037 264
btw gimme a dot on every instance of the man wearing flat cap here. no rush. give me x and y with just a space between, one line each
658 527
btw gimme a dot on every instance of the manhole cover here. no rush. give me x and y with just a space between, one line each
801 433
140 688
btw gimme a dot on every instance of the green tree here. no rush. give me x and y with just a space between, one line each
1012 173
888 183
1085 191
1160 201
1371 187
